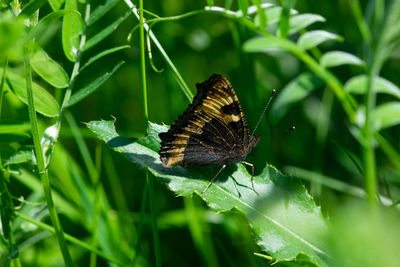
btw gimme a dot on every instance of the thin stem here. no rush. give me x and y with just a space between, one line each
146 131
43 172
143 205
361 23
154 220
368 132
143 70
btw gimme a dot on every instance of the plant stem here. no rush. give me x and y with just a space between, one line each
154 220
146 131
43 172
368 132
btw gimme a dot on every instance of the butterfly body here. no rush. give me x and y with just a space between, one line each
211 131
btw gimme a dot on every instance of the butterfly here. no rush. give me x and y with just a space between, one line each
211 131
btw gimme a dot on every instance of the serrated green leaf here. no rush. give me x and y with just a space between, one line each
338 58
104 53
302 21
292 93
358 85
314 38
49 70
71 30
105 32
101 10
93 86
44 101
386 115
282 214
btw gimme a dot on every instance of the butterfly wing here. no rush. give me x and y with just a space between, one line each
209 130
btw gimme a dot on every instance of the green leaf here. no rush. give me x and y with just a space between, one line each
101 10
71 30
93 86
45 23
338 58
104 53
22 156
299 22
49 70
44 101
294 92
105 32
283 215
267 44
314 38
358 85
386 115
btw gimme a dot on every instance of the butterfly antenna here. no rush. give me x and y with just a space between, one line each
265 109
288 130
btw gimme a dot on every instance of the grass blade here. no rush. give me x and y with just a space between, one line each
93 86
104 53
101 10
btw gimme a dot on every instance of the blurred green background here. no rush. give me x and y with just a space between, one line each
200 46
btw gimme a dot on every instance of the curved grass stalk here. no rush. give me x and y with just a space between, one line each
150 54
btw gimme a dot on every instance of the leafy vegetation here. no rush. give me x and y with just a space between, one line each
80 188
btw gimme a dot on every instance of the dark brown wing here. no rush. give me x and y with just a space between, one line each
210 128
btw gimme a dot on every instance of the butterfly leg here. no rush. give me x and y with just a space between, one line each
212 180
252 174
